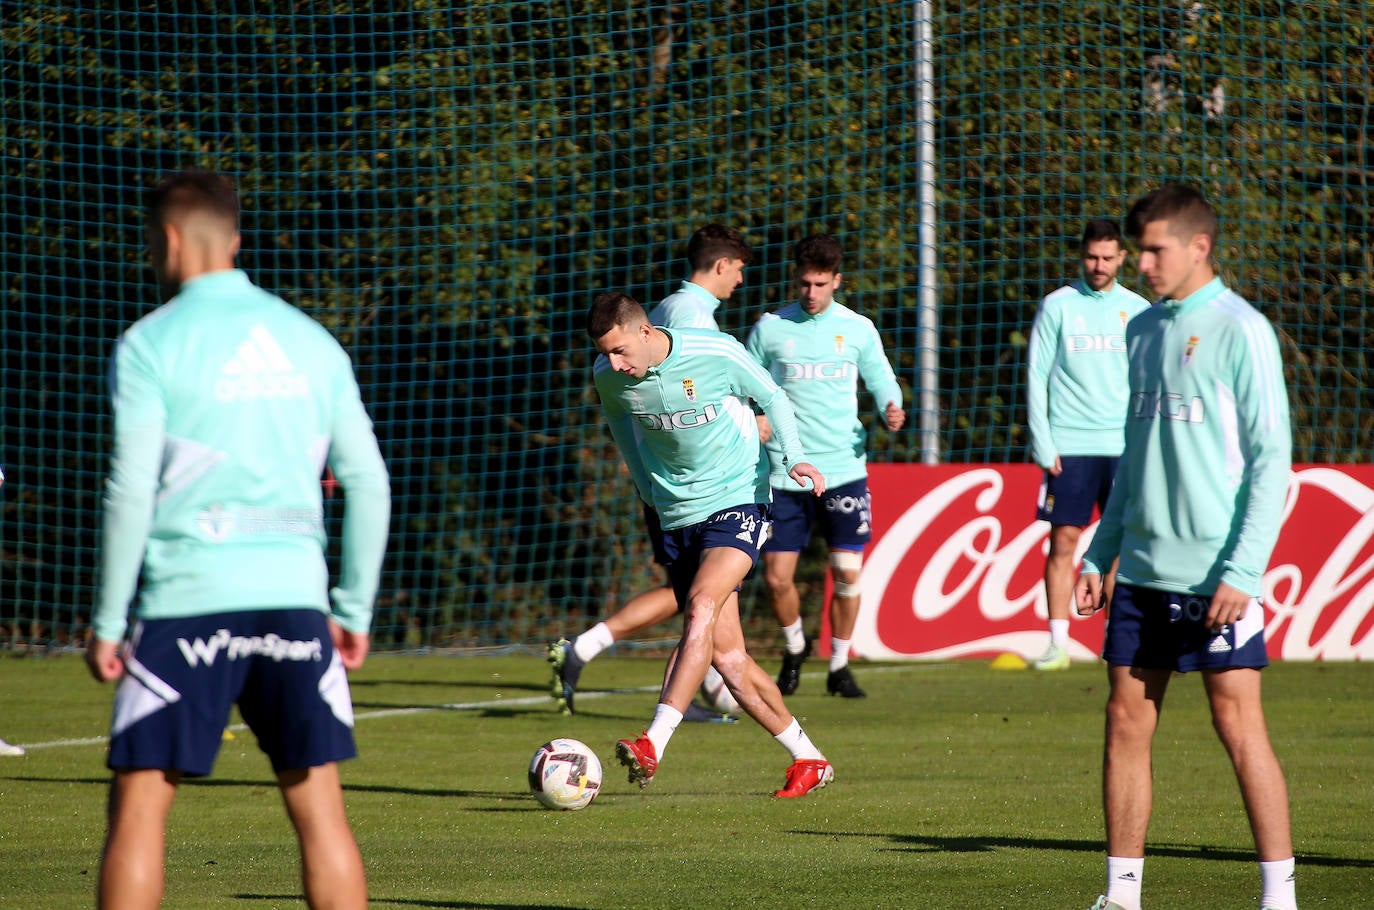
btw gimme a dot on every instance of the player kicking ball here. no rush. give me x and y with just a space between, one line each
670 398
717 256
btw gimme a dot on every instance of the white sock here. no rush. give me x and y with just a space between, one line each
666 719
794 637
1280 888
713 680
1059 632
839 653
1123 880
795 741
593 641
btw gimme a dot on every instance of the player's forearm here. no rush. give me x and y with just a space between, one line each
783 420
128 518
1261 515
366 521
1106 542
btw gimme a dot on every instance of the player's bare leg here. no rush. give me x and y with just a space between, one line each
1238 717
1133 708
844 611
642 611
718 575
845 567
131 869
751 685
568 658
779 574
331 864
1059 581
759 696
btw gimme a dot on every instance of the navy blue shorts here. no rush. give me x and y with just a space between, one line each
1086 481
1165 630
844 513
183 676
655 529
742 527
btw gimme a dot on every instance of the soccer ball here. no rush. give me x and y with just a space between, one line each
565 774
719 698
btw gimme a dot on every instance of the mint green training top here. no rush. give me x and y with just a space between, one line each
1076 383
1200 491
686 448
691 306
818 361
228 404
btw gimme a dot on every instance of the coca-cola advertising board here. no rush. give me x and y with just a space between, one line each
957 560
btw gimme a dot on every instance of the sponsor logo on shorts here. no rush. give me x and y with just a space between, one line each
236 647
752 529
846 504
1189 609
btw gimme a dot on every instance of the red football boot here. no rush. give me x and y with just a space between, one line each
639 757
805 775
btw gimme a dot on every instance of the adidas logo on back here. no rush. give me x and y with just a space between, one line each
259 369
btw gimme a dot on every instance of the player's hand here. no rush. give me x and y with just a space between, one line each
1087 594
1228 606
352 646
802 471
894 416
1057 468
103 660
765 428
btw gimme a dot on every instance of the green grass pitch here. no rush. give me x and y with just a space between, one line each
957 786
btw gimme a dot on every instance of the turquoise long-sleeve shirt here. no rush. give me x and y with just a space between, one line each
678 431
691 306
1199 494
1076 366
228 404
818 360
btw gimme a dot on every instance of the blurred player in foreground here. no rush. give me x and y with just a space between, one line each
817 349
228 405
1193 516
1076 402
716 256
671 397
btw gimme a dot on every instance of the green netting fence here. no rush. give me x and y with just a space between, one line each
446 185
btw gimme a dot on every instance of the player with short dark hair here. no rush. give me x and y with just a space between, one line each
716 256
228 405
670 397
817 349
1193 517
1076 405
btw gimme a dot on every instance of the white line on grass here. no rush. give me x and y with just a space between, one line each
458 706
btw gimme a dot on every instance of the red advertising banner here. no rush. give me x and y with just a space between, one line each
957 560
